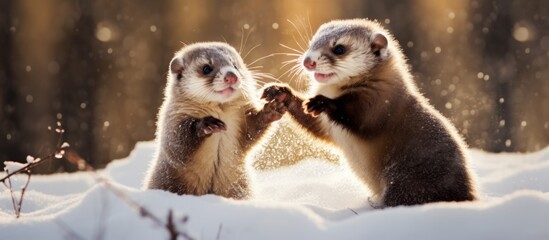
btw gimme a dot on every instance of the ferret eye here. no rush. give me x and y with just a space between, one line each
234 65
339 49
207 69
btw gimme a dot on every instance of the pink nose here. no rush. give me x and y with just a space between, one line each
230 78
309 64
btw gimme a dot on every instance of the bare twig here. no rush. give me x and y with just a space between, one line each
353 211
10 189
62 151
58 154
83 165
170 226
23 189
219 231
71 234
6 180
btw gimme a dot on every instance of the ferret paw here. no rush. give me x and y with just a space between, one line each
280 93
315 106
209 125
273 111
375 203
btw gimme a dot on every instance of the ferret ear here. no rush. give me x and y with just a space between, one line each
176 67
378 43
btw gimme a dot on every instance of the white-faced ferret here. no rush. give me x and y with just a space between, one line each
207 123
366 103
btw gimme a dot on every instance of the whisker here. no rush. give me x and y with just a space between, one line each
261 58
297 42
288 54
243 89
247 36
241 41
290 80
292 68
265 76
290 48
299 32
309 23
202 92
258 72
250 51
286 63
302 23
297 72
255 81
296 60
301 79
255 67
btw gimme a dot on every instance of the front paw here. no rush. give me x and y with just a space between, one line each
209 125
375 203
317 105
280 93
273 111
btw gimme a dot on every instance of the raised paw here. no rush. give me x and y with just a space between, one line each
279 93
209 125
315 106
273 111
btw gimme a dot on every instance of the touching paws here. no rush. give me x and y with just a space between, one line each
279 93
273 111
209 125
315 106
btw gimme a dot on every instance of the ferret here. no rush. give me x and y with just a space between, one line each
207 123
366 103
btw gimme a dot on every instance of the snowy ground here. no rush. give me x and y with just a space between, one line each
311 200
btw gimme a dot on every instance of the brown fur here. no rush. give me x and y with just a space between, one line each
405 151
203 139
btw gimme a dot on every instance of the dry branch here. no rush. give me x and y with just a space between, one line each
63 151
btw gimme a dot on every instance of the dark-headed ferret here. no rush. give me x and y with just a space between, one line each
207 123
366 103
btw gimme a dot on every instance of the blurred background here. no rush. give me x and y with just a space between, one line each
99 67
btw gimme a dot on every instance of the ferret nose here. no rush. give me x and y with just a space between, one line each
309 64
230 78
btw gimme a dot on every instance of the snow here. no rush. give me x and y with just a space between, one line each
313 199
13 166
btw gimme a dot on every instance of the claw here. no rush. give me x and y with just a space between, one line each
315 106
276 92
211 125
273 111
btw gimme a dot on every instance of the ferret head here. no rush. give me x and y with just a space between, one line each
342 49
209 72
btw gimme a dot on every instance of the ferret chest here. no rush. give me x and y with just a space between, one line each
223 147
328 91
358 153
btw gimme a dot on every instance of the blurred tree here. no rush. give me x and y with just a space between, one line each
133 54
100 67
76 66
499 64
30 89
9 124
512 59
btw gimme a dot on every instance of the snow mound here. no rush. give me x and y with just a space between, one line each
313 199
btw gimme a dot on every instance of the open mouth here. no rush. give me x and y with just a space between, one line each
227 92
323 77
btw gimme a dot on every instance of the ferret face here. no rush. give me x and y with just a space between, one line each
210 72
342 49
